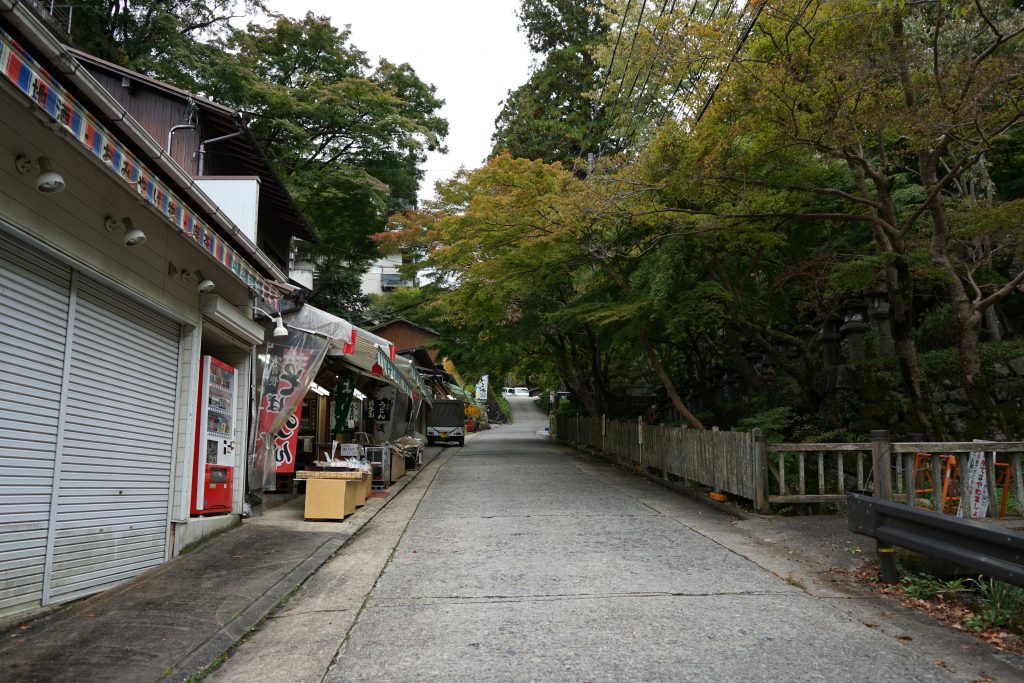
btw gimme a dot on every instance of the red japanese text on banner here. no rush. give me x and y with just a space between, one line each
286 369
286 443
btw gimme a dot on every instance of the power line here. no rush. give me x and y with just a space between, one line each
693 79
632 87
796 18
735 54
613 116
625 68
647 79
611 64
607 77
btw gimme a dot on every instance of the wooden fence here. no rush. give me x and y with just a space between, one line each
721 460
743 464
922 474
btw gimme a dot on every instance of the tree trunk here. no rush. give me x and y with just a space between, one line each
567 369
666 381
995 328
901 295
968 316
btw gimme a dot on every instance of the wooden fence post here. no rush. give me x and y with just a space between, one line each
963 464
1018 480
881 462
604 431
993 493
640 437
910 477
760 454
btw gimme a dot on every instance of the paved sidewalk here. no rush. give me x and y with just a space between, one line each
177 619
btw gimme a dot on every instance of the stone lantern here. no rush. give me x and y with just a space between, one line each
828 336
853 329
878 311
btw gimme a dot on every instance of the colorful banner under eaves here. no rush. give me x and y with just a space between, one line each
392 373
31 79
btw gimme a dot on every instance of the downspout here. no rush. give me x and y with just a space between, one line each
204 143
170 133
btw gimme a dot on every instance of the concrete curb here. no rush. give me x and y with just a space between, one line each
202 658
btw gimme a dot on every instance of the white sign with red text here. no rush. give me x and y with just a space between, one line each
977 486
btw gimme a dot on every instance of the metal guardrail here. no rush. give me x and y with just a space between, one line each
997 553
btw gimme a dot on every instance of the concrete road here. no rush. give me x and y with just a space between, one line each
514 559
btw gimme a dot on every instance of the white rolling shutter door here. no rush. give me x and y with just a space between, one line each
33 317
112 517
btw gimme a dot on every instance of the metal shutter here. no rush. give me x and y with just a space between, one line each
33 316
112 514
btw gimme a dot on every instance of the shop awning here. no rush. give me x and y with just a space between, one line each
312 319
405 366
363 351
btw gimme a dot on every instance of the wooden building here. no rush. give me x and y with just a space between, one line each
408 336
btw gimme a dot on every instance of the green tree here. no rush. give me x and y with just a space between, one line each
540 258
164 38
347 138
553 116
855 113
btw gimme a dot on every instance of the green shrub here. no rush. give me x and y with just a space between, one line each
997 605
924 587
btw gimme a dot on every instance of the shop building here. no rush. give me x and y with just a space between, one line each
408 336
119 274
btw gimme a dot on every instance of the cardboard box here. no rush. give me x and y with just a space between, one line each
397 465
331 498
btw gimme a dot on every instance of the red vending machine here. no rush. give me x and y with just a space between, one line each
213 476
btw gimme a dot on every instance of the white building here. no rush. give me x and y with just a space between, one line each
385 275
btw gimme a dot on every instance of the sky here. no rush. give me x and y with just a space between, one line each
470 49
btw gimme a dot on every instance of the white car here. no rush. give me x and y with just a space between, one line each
522 391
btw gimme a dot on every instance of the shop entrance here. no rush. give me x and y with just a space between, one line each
88 431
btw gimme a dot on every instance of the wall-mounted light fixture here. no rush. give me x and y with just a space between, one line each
48 181
133 236
280 330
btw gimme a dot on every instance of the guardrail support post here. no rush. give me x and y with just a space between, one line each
760 455
881 469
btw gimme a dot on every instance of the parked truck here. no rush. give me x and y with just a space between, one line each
446 422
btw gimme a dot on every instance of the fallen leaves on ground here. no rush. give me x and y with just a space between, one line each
949 612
